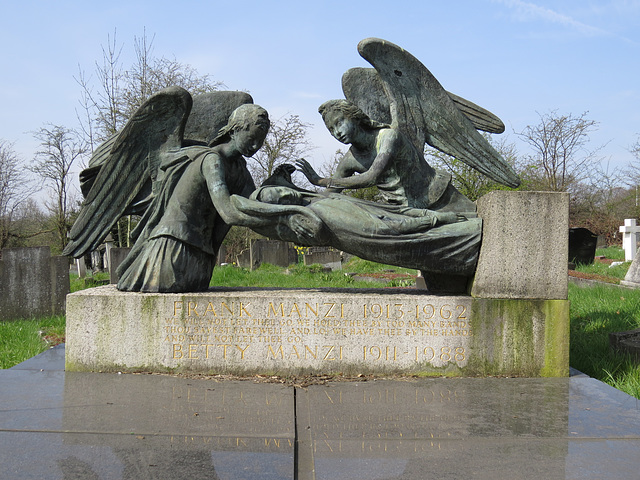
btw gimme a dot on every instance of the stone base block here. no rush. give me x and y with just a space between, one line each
525 245
275 331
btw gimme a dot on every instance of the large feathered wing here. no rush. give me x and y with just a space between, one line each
364 88
125 168
421 109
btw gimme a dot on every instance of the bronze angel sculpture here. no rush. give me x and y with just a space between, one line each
391 111
190 182
181 186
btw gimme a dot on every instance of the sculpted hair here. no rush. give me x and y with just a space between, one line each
242 118
349 110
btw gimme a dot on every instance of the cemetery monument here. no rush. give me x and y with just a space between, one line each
179 162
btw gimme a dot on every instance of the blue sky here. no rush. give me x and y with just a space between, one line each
513 57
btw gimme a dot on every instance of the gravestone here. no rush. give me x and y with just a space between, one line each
221 257
116 257
33 283
82 268
630 234
582 246
108 245
243 259
274 252
325 256
632 278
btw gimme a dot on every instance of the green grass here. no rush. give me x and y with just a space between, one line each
300 276
615 273
87 282
23 339
598 268
614 253
596 312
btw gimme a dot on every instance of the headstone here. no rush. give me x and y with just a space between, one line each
275 252
632 278
116 257
630 233
109 244
525 246
601 242
221 257
33 283
582 246
82 269
97 259
325 256
244 259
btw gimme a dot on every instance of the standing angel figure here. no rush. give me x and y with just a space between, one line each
390 113
186 184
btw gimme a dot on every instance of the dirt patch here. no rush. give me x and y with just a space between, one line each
593 276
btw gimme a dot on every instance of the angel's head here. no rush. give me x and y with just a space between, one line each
247 128
343 118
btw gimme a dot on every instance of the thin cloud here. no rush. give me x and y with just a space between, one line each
527 11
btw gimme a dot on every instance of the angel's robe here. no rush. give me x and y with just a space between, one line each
175 250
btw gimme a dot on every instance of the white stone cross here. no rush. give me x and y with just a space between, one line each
630 232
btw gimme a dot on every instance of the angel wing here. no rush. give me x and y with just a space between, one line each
363 87
124 172
423 110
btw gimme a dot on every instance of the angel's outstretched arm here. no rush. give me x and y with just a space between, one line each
213 170
345 173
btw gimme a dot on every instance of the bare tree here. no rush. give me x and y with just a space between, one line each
466 179
13 190
560 160
60 147
107 106
286 142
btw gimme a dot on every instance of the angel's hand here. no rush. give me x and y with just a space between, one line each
303 227
306 168
446 217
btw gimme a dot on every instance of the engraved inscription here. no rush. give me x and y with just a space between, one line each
312 333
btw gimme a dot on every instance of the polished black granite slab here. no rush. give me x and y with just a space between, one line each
57 425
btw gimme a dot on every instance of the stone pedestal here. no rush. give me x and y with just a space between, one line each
247 331
524 250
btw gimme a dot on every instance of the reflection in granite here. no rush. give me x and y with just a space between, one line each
104 426
456 428
57 425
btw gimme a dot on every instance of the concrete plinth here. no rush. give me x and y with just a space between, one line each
525 245
315 331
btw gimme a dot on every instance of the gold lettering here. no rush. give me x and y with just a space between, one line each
210 309
326 357
294 351
296 309
309 308
176 306
330 309
192 306
314 354
242 351
193 351
273 309
243 309
273 353
224 305
177 351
